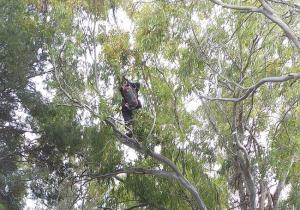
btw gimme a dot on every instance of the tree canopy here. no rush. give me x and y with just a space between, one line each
219 126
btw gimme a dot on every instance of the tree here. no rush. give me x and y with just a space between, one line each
22 146
236 148
18 47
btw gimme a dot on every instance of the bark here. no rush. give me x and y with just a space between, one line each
250 185
281 185
270 201
242 194
243 158
263 195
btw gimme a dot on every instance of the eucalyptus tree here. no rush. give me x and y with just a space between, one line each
260 114
219 126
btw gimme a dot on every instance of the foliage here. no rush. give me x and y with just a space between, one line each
194 60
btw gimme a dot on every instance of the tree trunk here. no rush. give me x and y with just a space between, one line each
263 195
242 195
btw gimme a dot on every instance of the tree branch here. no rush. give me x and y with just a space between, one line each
133 143
281 184
134 170
263 195
270 13
267 11
97 76
291 5
236 7
252 89
244 161
137 206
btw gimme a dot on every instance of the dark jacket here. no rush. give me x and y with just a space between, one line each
136 87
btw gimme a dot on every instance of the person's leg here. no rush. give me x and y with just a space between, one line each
128 119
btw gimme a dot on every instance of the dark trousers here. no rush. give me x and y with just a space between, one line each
128 118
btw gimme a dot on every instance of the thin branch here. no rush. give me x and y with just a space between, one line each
152 103
39 74
251 52
236 7
97 77
270 201
267 11
201 54
251 107
236 137
292 106
270 13
175 108
133 170
252 89
223 77
294 6
137 206
281 183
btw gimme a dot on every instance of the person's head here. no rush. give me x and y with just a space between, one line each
124 81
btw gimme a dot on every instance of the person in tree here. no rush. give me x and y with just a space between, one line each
130 102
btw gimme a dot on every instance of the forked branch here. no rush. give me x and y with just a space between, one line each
267 11
253 88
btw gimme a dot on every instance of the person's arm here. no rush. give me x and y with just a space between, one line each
121 91
136 86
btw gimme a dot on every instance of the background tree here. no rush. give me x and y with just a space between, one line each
19 62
